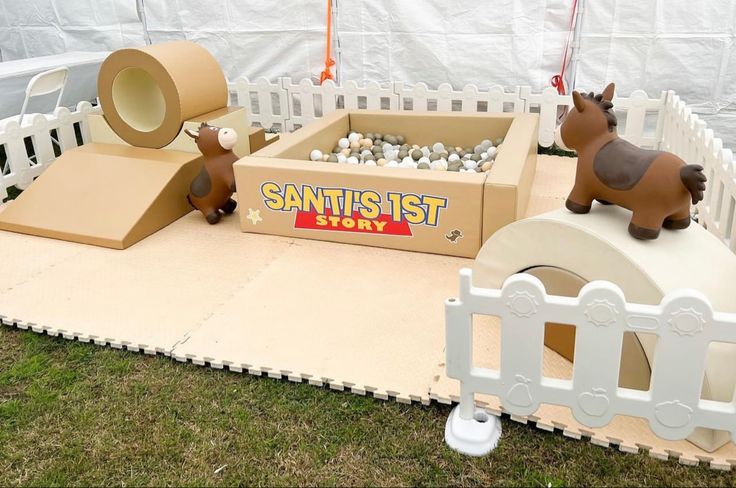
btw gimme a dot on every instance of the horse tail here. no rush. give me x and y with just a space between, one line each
694 180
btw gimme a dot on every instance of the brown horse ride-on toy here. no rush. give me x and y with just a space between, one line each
656 186
212 189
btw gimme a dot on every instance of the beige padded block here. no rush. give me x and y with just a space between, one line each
105 195
233 117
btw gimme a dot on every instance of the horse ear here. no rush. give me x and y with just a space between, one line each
608 92
578 100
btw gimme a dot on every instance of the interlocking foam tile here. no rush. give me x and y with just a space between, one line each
146 297
361 319
318 312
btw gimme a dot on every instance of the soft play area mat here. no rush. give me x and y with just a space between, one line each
354 318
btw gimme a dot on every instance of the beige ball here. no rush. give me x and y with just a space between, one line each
381 162
487 165
355 145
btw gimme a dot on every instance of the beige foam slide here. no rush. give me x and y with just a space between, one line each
106 195
368 320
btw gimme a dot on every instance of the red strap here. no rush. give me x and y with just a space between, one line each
329 61
558 80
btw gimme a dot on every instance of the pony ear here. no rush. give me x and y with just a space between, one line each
608 92
578 100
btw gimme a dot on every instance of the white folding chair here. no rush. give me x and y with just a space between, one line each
42 84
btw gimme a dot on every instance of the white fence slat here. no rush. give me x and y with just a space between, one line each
549 103
601 305
65 129
522 344
15 148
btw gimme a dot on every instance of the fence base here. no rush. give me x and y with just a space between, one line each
475 437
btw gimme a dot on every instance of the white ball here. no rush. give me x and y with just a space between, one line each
492 152
344 143
408 164
407 160
438 147
353 160
478 149
391 164
485 144
453 157
439 164
425 150
315 155
470 164
341 158
370 162
365 153
483 156
424 159
354 137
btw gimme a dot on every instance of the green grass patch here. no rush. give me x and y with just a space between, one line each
79 414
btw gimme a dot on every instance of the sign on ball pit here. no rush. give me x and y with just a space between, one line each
281 191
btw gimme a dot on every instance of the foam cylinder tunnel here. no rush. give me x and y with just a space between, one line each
148 92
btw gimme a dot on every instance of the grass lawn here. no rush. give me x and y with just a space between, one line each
73 413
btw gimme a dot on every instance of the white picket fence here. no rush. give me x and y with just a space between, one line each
284 105
686 135
44 136
684 322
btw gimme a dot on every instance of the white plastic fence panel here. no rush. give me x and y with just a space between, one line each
266 102
684 322
308 101
686 135
25 162
552 106
470 99
301 102
635 125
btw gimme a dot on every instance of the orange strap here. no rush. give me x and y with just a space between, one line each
329 61
558 81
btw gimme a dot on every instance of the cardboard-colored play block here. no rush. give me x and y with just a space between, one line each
259 139
234 117
282 192
107 195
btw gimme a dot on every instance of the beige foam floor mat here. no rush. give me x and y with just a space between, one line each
362 319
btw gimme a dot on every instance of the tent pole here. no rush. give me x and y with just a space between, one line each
575 52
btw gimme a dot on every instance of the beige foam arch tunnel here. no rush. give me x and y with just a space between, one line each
566 250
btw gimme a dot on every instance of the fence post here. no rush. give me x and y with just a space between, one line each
468 430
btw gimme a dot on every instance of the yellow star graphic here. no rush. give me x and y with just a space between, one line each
254 216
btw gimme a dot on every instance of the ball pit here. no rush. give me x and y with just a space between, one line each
392 151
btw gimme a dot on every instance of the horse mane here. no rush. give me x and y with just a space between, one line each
605 107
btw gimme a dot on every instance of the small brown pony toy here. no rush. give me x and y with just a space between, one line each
656 186
212 189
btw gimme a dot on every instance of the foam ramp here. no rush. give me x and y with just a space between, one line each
105 194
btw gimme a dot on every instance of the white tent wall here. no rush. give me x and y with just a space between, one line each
267 38
31 28
649 44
